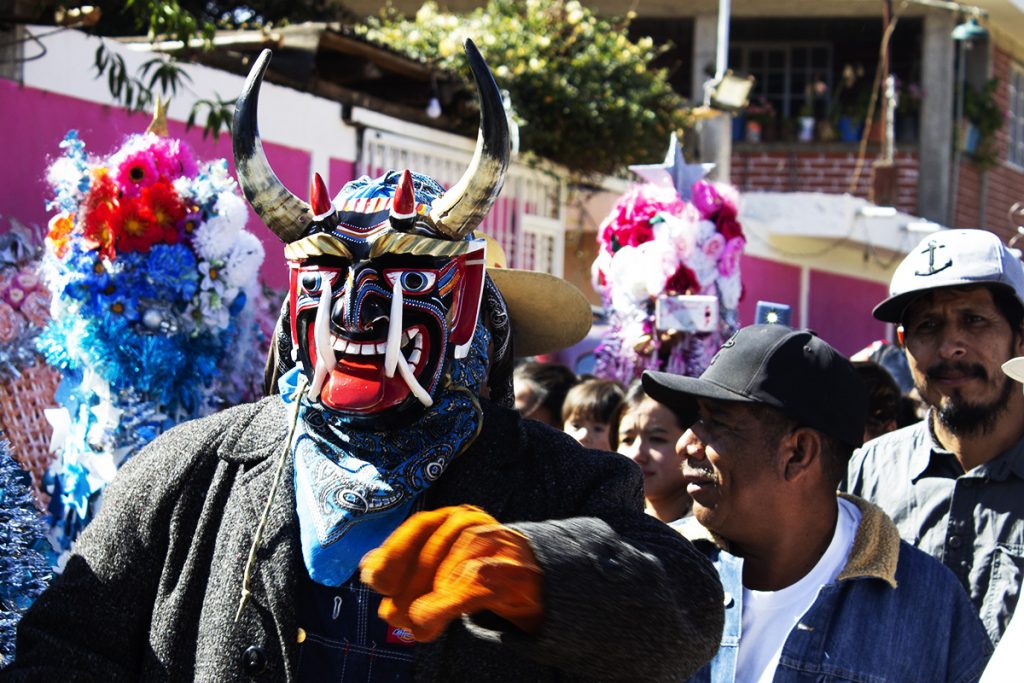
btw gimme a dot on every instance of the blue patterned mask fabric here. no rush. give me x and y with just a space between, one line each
354 485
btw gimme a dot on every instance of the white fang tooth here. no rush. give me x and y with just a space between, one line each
394 344
322 329
414 357
410 380
405 338
319 375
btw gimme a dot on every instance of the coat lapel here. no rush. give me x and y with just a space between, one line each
278 554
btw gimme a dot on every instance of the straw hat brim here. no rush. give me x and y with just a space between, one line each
1014 368
548 314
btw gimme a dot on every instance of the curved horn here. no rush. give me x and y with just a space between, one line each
464 205
284 213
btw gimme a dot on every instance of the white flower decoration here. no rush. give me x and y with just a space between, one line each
242 264
729 289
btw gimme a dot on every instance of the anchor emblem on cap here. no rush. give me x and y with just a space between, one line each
728 344
930 250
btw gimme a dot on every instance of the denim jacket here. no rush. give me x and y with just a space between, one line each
894 614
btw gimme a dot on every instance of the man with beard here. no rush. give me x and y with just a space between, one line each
381 518
954 483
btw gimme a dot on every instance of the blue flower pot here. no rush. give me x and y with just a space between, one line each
849 129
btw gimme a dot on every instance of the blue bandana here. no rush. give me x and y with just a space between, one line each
355 485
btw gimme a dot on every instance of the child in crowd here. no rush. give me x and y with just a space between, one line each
587 409
540 390
646 432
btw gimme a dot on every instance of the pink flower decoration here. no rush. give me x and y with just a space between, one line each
36 307
27 280
730 198
728 225
628 223
14 296
137 171
714 246
11 324
706 198
729 263
174 158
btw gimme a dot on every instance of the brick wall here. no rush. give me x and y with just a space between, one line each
817 168
1004 184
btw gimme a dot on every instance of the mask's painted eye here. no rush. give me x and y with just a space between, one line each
412 281
311 282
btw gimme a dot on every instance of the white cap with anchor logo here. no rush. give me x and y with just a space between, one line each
951 258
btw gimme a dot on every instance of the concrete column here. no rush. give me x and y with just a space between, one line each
705 43
715 134
11 51
936 140
716 145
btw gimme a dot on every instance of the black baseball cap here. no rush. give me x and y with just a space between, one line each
794 371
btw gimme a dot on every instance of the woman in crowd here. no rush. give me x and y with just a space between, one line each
646 432
587 410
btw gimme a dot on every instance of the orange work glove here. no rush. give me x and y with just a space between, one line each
444 563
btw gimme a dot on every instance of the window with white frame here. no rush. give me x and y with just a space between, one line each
1015 118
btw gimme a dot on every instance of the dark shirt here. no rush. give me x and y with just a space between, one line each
972 521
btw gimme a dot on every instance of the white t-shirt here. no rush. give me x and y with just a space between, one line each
770 616
1008 659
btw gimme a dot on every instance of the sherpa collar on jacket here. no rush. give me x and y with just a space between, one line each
875 551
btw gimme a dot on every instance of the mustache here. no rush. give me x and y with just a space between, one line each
940 370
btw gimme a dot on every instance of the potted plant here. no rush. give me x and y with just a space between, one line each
814 106
760 120
848 107
983 119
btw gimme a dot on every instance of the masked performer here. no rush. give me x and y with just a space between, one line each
492 548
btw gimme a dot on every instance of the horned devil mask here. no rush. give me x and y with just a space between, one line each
385 280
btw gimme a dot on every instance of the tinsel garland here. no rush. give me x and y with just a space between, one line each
24 566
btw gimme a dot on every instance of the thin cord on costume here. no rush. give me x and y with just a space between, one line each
247 576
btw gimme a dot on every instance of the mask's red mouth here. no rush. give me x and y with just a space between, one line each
359 381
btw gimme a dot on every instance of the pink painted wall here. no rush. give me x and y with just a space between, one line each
765 280
840 310
33 122
339 172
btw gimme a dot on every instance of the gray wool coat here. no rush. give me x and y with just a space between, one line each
151 590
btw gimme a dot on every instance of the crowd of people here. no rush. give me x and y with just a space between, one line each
409 504
921 550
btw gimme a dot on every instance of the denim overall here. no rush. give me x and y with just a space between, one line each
343 639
